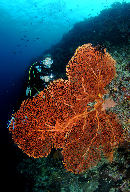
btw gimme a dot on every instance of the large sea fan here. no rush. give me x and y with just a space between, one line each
69 114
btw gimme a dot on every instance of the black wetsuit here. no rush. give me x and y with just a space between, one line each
36 80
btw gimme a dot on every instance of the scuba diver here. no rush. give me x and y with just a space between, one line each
40 74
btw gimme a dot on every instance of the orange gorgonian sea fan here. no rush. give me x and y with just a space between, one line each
69 114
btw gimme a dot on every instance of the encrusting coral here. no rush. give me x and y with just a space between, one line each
68 114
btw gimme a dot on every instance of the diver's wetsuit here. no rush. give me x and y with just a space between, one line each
39 77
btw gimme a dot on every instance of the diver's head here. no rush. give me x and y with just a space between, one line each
47 61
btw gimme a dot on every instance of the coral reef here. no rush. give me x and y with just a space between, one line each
69 114
110 28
